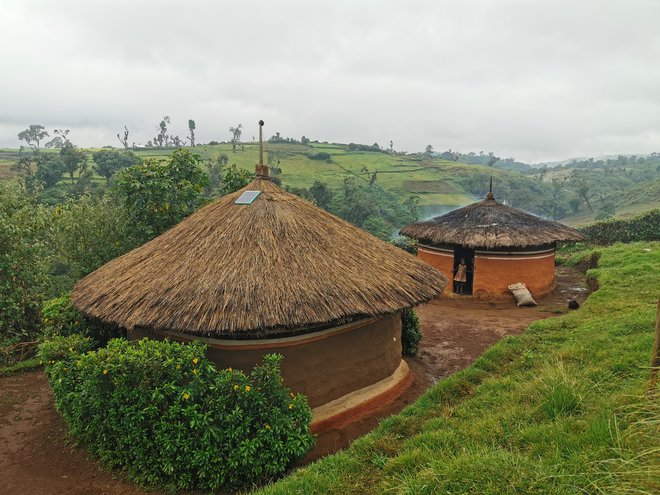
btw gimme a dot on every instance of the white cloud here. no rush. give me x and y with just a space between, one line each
536 80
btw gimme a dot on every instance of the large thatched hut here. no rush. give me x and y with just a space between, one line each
499 245
262 271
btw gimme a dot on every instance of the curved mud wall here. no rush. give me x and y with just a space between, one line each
494 274
323 365
494 271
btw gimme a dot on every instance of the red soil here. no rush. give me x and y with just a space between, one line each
36 456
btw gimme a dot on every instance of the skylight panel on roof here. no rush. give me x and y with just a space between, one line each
247 197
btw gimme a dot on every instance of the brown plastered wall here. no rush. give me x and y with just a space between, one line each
323 369
492 276
442 262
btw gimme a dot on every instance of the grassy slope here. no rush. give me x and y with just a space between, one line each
544 412
432 180
629 203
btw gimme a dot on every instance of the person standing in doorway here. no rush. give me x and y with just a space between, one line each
460 277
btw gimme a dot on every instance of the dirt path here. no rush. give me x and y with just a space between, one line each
36 458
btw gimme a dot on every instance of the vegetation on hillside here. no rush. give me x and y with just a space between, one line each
561 409
578 191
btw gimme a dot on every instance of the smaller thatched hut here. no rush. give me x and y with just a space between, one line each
261 271
498 244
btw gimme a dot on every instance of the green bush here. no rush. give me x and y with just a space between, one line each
23 262
320 155
163 413
411 334
63 348
645 227
60 317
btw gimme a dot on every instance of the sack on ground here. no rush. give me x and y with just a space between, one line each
522 295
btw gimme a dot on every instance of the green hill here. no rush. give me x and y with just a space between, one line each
561 409
626 186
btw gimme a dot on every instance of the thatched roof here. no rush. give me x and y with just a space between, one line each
237 270
489 224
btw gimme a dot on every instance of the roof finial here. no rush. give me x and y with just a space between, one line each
261 169
490 189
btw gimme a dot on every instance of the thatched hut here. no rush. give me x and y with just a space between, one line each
262 271
499 245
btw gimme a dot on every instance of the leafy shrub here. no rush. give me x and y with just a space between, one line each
163 413
63 348
406 243
158 195
321 155
23 262
645 227
411 334
60 317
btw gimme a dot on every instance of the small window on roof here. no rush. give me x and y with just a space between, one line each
247 197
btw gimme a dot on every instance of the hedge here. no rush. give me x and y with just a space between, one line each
645 227
161 411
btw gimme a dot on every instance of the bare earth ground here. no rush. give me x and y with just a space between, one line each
37 458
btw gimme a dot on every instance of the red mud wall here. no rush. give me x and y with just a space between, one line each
440 260
323 365
494 274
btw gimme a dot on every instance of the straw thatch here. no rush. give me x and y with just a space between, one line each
489 224
239 270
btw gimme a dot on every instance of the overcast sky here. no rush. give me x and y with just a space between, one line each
531 79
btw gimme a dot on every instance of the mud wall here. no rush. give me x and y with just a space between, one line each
323 365
494 273
442 260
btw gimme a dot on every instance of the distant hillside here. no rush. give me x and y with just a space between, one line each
439 184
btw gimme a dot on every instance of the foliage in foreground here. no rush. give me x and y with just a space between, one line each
644 227
61 318
23 262
411 333
561 409
164 414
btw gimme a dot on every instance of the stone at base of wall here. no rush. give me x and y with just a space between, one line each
356 404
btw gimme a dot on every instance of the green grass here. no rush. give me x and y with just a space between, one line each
560 409
25 365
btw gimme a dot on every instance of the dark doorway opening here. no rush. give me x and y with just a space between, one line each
467 256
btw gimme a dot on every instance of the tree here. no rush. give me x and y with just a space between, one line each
235 179
63 134
428 151
160 194
583 188
607 210
57 142
33 135
124 140
492 159
391 146
191 130
163 138
558 185
574 203
23 262
304 140
235 136
87 232
178 142
72 157
50 168
108 162
321 194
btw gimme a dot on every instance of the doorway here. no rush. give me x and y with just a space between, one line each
466 254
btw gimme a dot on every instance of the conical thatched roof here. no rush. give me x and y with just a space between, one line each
490 224
235 269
